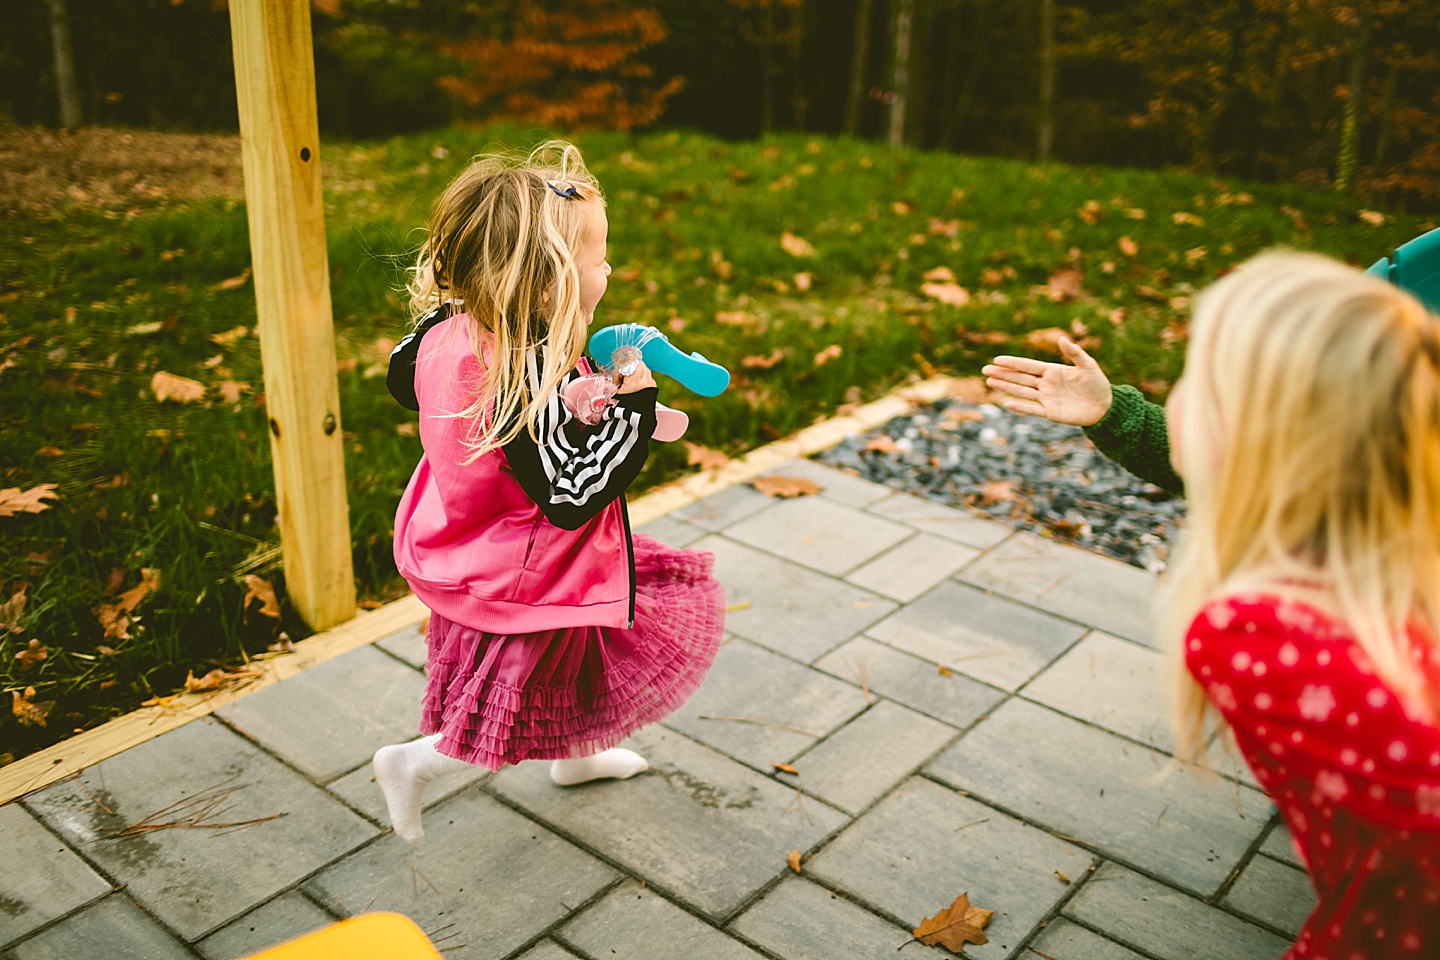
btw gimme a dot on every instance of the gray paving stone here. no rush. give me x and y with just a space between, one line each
359 789
958 525
799 920
1111 683
719 510
753 683
673 532
1166 923
1280 846
818 533
497 877
334 716
408 644
113 929
54 881
632 923
907 858
793 610
1064 940
1100 789
288 916
977 634
197 880
913 566
909 680
857 763
1273 893
1084 586
547 950
837 484
698 826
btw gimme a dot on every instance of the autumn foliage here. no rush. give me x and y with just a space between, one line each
569 63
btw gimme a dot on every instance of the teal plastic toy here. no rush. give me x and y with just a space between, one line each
1414 267
622 345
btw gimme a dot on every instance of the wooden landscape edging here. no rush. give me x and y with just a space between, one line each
71 756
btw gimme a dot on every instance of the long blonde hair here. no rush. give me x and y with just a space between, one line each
1309 441
502 239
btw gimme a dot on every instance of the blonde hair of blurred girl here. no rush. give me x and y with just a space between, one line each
1308 436
501 240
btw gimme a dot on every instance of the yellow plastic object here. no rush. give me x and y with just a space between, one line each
373 936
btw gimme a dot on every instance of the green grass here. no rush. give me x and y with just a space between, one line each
695 230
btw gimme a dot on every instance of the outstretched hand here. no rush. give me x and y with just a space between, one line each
1077 393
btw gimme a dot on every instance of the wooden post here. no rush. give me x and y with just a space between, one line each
279 136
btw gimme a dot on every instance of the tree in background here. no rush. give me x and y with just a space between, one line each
562 62
65 87
773 26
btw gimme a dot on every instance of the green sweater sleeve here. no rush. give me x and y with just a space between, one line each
1133 434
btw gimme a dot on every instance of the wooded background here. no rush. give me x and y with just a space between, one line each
1331 95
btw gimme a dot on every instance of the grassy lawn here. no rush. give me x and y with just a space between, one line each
94 303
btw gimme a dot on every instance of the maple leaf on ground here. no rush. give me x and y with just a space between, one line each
11 611
784 487
26 710
951 293
233 283
258 588
168 386
13 500
703 457
115 617
796 246
956 925
33 655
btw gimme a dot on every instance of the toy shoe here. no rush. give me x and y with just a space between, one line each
621 346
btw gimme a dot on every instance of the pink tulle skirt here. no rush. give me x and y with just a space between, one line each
497 700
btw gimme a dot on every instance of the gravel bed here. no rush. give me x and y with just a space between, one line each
1029 473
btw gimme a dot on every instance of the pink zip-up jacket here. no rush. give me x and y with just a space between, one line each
527 538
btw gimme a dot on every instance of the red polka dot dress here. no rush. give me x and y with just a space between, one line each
1355 776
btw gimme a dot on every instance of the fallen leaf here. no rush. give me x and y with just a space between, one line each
796 246
999 491
784 487
881 444
233 283
13 500
1187 218
406 428
168 386
704 457
1372 217
1062 878
49 451
955 926
1064 284
230 390
1129 247
11 611
946 671
217 679
229 336
676 324
33 655
785 768
1047 338
803 281
1296 217
944 228
831 352
793 858
765 362
115 617
258 588
736 318
970 390
939 275
1195 254
139 329
1090 212
953 294
1135 213
27 711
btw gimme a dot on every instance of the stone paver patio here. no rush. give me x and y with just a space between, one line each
969 709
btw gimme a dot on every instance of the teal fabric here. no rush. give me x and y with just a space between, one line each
1133 434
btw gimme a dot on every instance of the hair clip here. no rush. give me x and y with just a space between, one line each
563 188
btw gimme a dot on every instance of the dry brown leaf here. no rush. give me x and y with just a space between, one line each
765 362
230 390
796 246
785 768
999 491
26 710
11 611
1047 338
945 671
969 390
831 352
703 457
1064 284
804 281
777 486
33 655
115 617
407 428
902 207
955 926
217 679
233 283
1090 212
1372 217
1184 217
49 451
1128 247
1062 878
258 588
939 275
168 386
944 228
13 500
793 858
735 318
950 293
140 329
881 444
230 336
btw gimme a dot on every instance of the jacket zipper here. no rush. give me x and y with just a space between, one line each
630 557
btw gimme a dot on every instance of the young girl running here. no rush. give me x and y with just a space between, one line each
555 632
1306 429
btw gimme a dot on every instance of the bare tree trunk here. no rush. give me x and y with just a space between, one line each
1047 81
904 15
1354 104
767 68
859 60
65 84
799 102
1387 100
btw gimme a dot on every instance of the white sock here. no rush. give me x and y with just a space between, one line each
402 770
616 763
